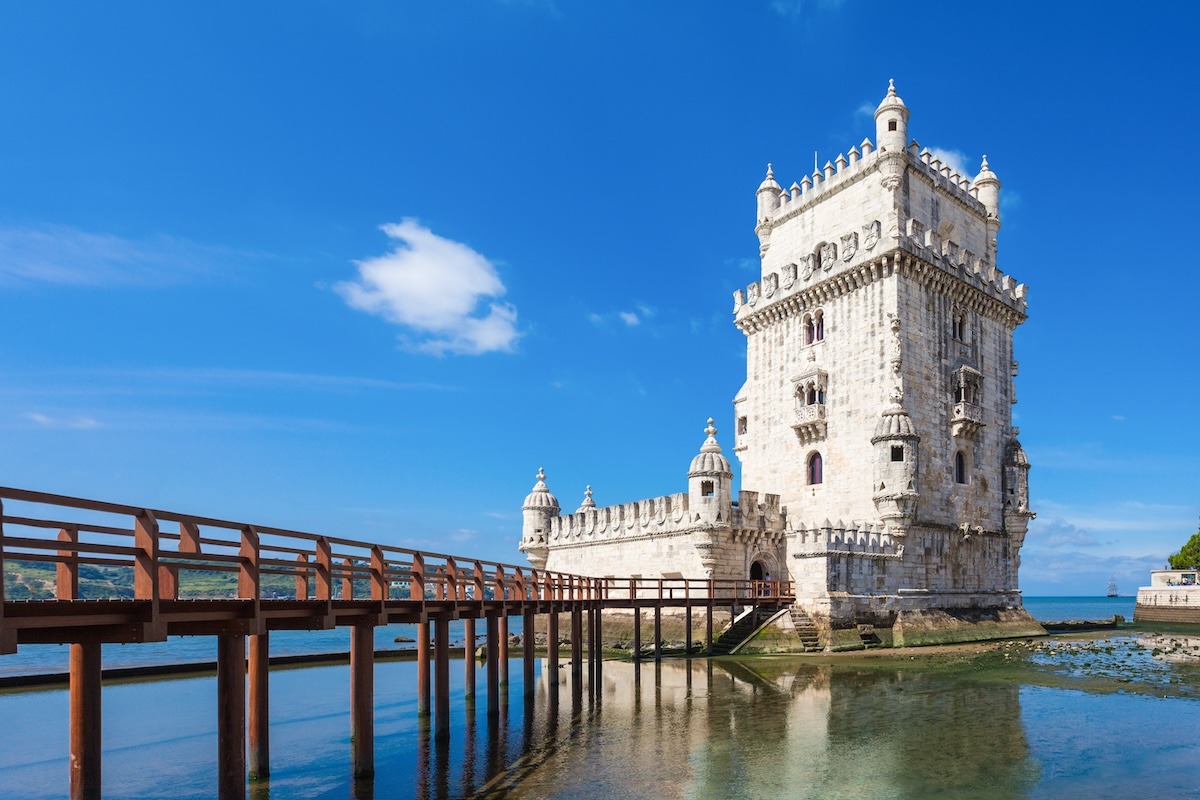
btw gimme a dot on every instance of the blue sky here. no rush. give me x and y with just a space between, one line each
363 268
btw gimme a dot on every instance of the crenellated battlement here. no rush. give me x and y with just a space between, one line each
662 516
944 177
867 540
836 174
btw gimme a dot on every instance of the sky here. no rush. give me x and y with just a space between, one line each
362 268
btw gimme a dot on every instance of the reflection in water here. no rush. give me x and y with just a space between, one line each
725 728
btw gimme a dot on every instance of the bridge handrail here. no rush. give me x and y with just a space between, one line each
161 559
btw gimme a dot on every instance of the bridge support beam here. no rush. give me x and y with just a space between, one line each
85 721
708 629
469 658
502 658
576 656
599 650
637 634
423 669
259 757
231 716
493 667
552 653
687 633
591 649
362 700
658 633
441 674
527 652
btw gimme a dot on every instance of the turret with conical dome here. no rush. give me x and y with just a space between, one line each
896 458
539 508
710 482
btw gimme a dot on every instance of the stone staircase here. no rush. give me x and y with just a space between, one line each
741 629
806 630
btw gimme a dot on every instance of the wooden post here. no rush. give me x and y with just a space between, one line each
599 650
576 654
347 579
362 699
66 571
658 633
302 576
552 651
324 564
493 669
231 716
527 652
85 721
145 563
502 656
637 633
687 634
469 658
260 707
423 669
441 660
591 648
708 629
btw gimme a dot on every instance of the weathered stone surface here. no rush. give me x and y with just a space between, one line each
874 428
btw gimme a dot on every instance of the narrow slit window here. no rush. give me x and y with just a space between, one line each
897 452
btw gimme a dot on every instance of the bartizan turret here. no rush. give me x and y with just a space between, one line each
986 187
768 204
896 456
539 508
1016 491
891 138
710 483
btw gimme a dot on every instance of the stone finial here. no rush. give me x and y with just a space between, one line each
891 87
588 502
541 477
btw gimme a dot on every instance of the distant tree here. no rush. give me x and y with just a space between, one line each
1188 556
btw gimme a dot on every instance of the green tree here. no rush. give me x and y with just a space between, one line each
1188 556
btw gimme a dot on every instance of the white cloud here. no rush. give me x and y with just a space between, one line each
64 255
1118 417
46 421
629 318
955 159
439 290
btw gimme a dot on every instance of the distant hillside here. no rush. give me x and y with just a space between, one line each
35 580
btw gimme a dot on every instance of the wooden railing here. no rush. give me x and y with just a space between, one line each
170 554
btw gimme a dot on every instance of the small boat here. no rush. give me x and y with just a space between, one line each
1112 586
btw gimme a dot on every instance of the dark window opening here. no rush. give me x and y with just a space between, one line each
815 470
897 453
743 423
810 331
891 124
706 488
960 468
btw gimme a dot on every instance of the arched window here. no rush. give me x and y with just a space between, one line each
816 472
812 394
810 330
960 468
819 333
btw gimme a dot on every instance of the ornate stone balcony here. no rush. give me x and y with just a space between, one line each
810 422
966 419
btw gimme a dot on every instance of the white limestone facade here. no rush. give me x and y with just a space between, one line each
875 422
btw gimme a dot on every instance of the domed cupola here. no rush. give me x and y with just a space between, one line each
768 203
540 499
710 461
539 508
710 482
891 122
896 455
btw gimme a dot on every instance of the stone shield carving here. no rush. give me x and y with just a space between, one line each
789 276
770 284
806 267
828 255
871 234
849 246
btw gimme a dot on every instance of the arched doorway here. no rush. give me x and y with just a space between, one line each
758 571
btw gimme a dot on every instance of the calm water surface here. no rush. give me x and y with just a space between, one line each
727 728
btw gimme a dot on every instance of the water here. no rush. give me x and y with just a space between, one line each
1057 609
39 659
890 728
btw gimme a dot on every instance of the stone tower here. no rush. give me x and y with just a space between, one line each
878 395
875 422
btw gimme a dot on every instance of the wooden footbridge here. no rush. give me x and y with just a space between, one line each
337 582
